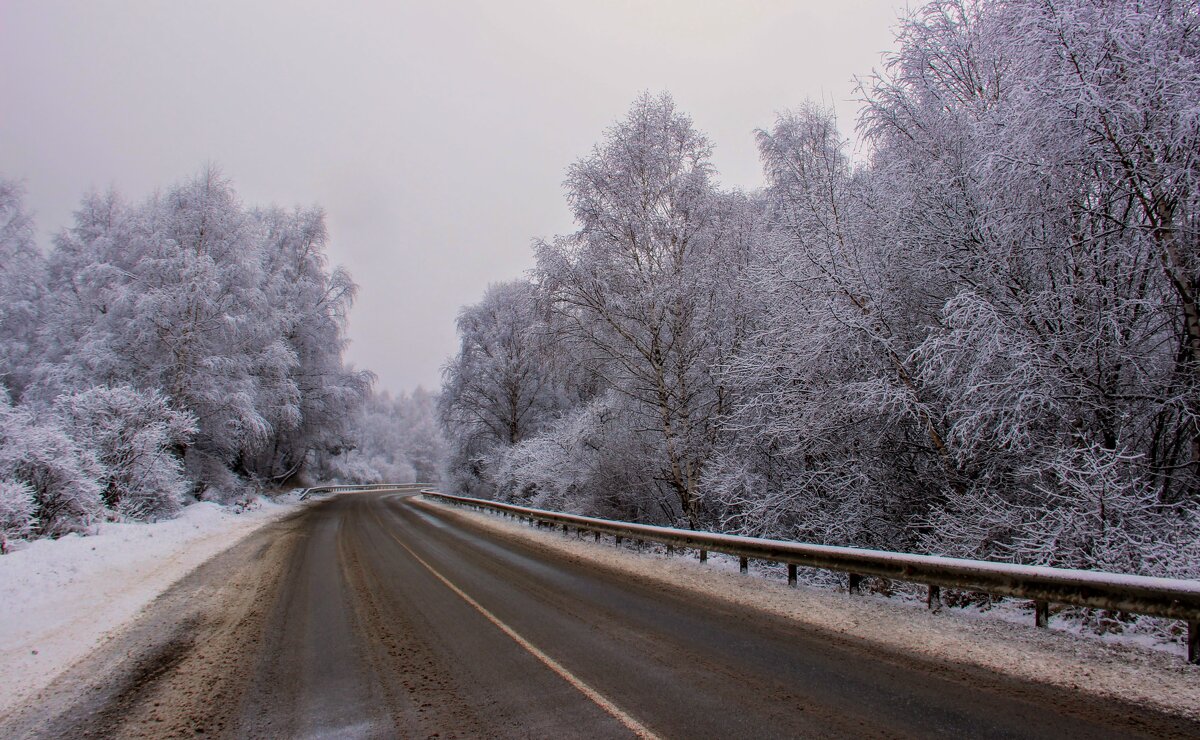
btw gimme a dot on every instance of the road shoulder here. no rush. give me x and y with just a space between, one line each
64 599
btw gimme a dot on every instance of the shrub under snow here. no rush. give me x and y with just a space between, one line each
16 512
133 434
60 474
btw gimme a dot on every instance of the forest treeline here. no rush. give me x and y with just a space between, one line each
978 337
187 347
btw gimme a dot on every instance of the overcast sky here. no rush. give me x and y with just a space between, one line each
436 135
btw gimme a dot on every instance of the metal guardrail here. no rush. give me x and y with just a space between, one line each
365 487
1160 597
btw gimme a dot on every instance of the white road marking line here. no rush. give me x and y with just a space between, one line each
637 728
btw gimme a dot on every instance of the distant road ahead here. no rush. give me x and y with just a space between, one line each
376 615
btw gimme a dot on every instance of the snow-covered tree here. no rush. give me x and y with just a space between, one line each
422 439
232 314
39 457
1049 155
816 448
979 337
22 280
502 386
393 440
134 436
644 286
168 296
311 406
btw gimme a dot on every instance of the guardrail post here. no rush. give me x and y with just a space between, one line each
704 556
934 599
791 574
744 565
1193 642
854 583
617 540
1041 613
597 533
566 530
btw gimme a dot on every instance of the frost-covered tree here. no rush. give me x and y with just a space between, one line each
394 440
502 386
422 439
39 457
182 346
977 343
1049 153
22 280
168 296
980 339
133 435
232 314
310 407
816 448
644 286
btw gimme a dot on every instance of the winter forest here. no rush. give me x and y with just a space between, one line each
975 334
185 348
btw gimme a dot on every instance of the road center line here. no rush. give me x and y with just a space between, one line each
637 728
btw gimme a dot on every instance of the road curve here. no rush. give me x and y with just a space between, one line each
380 615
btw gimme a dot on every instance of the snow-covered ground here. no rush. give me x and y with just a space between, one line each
60 598
1001 639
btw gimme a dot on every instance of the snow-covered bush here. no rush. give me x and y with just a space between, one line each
62 476
135 436
588 462
1087 508
215 481
16 512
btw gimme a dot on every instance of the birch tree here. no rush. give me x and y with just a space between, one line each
232 314
501 387
634 285
22 284
1064 344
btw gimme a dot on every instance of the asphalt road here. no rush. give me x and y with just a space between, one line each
378 615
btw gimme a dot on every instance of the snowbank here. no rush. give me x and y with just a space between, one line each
60 598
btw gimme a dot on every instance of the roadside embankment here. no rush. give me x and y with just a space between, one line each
59 599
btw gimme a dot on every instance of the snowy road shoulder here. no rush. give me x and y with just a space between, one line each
1152 678
59 599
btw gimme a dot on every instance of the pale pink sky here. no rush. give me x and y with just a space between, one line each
435 134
